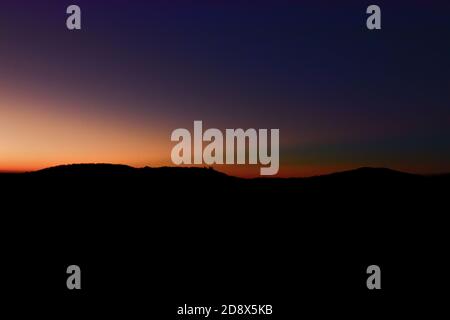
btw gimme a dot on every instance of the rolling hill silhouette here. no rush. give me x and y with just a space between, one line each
197 223
357 180
125 182
116 170
93 191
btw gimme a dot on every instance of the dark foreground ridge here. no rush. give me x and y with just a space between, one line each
115 179
102 169
377 185
364 177
119 169
195 234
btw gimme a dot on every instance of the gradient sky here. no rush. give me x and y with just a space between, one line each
342 96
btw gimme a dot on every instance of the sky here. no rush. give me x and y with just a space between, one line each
341 95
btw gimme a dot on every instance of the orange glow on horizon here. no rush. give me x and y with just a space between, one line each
37 132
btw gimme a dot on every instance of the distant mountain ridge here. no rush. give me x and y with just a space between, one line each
117 170
120 169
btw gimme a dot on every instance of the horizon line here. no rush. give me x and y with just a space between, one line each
211 167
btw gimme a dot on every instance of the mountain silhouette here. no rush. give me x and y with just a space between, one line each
108 169
117 216
108 186
364 176
117 170
123 180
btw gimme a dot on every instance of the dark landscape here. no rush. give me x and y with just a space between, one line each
199 234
